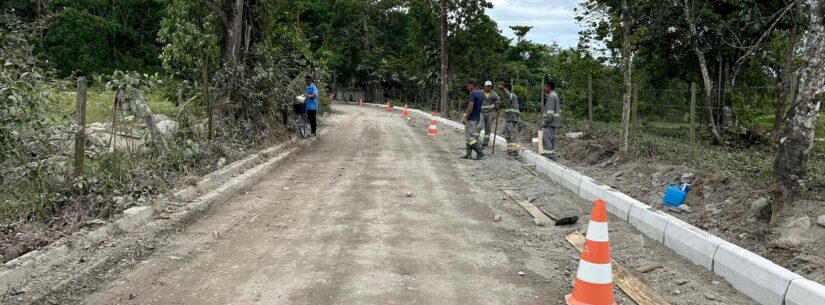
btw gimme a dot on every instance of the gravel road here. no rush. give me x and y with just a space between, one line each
379 213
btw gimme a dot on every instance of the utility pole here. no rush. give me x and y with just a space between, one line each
445 90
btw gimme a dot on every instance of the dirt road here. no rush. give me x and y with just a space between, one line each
335 226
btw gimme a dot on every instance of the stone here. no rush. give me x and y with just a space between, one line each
795 232
521 273
821 220
618 174
497 218
715 282
710 296
759 204
687 177
221 163
119 200
677 292
685 208
409 194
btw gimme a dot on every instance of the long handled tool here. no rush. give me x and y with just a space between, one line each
495 132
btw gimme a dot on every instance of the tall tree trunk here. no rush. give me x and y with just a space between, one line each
627 66
234 35
703 65
789 167
445 89
787 73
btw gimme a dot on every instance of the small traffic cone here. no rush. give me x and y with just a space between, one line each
433 128
389 108
594 278
406 112
361 102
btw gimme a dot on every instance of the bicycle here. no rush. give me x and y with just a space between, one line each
300 109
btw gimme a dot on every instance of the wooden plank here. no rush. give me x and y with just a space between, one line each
627 282
541 140
538 216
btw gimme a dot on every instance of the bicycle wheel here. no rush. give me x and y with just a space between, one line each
302 127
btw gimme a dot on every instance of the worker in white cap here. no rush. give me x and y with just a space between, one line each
490 104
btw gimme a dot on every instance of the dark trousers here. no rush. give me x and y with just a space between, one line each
313 120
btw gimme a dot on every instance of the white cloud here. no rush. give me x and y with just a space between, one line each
552 20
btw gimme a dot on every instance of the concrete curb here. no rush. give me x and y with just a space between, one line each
751 274
216 186
804 292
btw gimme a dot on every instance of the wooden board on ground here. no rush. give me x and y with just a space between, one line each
541 140
538 216
631 285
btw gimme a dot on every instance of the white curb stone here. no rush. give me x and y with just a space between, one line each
753 275
570 179
696 245
805 292
619 203
590 189
648 222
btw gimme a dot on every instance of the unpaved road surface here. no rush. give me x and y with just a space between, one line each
335 226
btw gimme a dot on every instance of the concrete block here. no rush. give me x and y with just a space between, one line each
569 179
133 217
648 222
805 292
619 203
590 189
691 242
753 275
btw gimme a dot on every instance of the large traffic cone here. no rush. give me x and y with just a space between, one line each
406 112
433 128
361 102
389 107
594 278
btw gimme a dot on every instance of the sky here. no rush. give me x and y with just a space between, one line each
552 20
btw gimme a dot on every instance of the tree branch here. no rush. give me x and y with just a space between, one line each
216 9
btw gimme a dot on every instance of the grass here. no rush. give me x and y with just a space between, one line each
99 104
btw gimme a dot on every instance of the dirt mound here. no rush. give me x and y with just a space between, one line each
720 203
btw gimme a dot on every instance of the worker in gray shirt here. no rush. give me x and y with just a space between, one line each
511 113
552 119
490 104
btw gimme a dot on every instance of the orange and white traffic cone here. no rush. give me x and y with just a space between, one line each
389 107
361 102
594 278
433 128
406 112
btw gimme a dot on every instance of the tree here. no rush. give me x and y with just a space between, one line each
789 168
445 78
520 31
627 66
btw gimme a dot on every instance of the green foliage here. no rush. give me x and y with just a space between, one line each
78 42
87 37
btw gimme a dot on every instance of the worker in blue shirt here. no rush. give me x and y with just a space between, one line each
312 104
471 120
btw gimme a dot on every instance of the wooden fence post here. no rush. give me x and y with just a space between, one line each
207 98
634 125
589 102
80 135
692 118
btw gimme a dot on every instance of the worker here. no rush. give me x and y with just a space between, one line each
490 104
511 113
552 119
312 104
471 121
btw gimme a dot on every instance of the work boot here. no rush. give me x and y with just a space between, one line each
479 151
469 154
